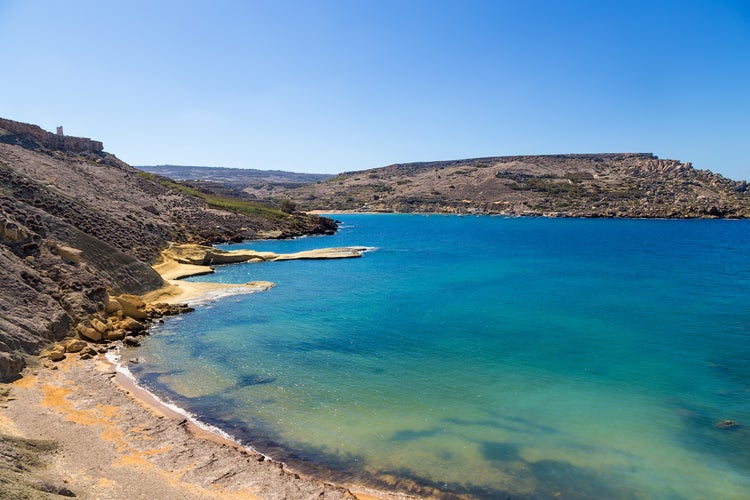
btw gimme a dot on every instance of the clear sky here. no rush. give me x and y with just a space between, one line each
331 86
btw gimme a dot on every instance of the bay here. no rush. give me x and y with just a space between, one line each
486 356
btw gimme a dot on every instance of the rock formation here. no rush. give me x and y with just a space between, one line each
33 136
78 226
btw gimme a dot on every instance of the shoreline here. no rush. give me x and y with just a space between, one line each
541 215
116 439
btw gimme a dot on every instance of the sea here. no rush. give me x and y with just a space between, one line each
482 356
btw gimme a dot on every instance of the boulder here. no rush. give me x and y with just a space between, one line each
11 364
68 253
131 325
75 345
56 352
132 306
99 326
88 333
88 353
112 306
163 309
132 341
114 335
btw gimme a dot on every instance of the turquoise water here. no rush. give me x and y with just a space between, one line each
535 358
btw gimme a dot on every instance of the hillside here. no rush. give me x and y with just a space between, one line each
77 224
594 185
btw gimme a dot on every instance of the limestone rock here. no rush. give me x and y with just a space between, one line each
131 325
114 335
112 306
163 309
727 425
56 353
11 363
75 345
88 353
100 327
132 341
88 333
132 306
68 253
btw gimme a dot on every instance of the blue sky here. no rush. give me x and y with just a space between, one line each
332 86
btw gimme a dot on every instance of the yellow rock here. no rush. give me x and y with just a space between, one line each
55 353
131 325
132 306
114 335
88 333
74 345
112 306
69 253
99 326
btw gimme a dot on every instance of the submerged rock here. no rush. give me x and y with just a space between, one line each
727 425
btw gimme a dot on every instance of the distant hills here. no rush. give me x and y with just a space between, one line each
570 185
232 176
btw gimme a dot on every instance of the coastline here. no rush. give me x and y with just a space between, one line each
115 439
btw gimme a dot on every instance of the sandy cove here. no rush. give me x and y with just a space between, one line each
113 440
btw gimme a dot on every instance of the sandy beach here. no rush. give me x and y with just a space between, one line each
103 437
112 444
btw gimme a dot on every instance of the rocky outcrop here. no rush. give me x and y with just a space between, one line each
33 136
78 226
200 255
124 315
48 286
123 318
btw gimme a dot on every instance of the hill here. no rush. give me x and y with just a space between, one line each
576 185
233 176
77 225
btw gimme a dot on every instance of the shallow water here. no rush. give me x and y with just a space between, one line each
539 358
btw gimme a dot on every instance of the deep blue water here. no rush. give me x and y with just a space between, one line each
538 358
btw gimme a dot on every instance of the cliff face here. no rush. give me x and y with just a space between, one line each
592 185
54 275
33 137
77 225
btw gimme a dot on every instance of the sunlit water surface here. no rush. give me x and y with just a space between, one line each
535 358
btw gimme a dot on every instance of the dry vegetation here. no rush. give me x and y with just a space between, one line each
597 185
